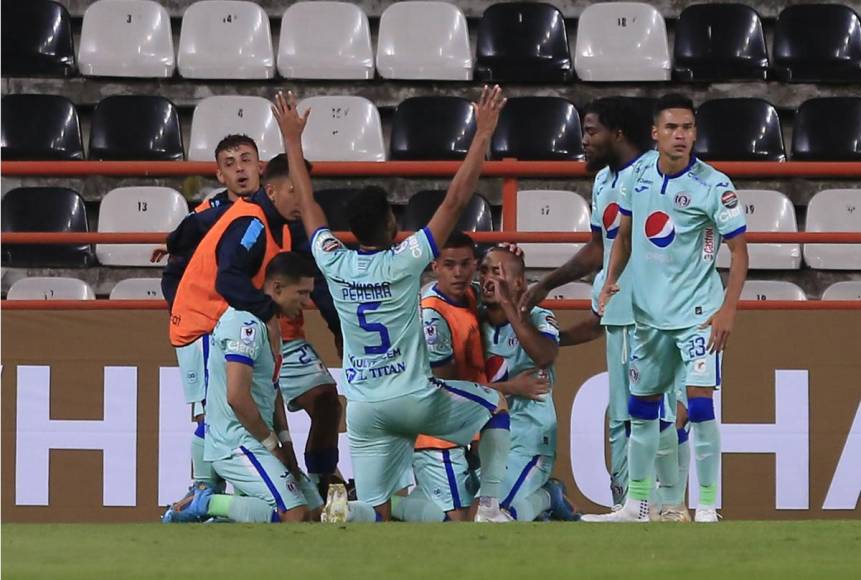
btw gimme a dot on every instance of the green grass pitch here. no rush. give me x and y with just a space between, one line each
737 550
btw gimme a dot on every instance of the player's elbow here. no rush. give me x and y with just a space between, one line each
546 356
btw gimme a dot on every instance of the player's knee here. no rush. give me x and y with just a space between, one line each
297 514
701 409
323 403
647 409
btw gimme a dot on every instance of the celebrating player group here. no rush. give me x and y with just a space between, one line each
449 386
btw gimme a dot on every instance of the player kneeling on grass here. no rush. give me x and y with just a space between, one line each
245 410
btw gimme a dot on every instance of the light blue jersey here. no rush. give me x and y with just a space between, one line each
606 218
533 423
377 298
238 337
678 222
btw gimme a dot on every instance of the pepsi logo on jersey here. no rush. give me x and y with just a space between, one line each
660 229
612 218
496 368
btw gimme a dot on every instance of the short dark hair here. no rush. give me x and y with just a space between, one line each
674 101
620 114
279 167
459 239
290 265
521 259
367 212
234 141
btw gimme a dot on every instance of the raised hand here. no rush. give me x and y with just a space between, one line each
530 299
722 323
289 120
487 110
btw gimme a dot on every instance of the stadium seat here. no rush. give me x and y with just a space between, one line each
716 42
827 129
135 128
45 209
424 40
767 211
447 137
225 39
834 210
538 128
50 288
132 38
739 130
622 41
846 290
342 129
522 41
817 42
422 205
137 289
551 211
771 290
325 40
137 209
37 39
216 117
40 127
571 291
334 203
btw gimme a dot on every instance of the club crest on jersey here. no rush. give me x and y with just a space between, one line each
682 200
612 218
496 368
431 335
248 333
660 229
729 199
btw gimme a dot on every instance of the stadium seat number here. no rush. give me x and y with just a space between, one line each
374 327
142 206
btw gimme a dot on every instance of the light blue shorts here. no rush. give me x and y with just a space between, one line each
193 362
255 472
443 475
301 371
660 359
524 474
382 434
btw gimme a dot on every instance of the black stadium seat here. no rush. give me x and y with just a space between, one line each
135 127
522 41
827 129
739 130
719 42
427 128
422 205
40 127
817 42
45 209
37 39
538 129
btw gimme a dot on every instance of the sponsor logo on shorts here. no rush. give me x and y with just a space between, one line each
729 199
191 376
634 374
700 366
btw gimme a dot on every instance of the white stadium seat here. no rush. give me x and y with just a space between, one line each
216 117
834 210
342 129
225 39
126 38
572 291
325 40
424 40
767 211
137 209
45 288
771 290
622 41
137 289
846 290
551 211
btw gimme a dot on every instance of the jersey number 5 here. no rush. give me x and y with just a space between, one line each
385 342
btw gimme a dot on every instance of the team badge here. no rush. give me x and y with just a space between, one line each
682 200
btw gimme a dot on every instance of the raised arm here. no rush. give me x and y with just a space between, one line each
463 185
292 124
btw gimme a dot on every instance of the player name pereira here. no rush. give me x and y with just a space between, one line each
364 292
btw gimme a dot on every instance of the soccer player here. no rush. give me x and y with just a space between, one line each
672 223
247 437
514 342
445 481
392 394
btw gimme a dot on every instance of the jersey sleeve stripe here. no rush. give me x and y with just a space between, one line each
735 232
239 358
551 336
431 241
317 231
624 211
596 228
